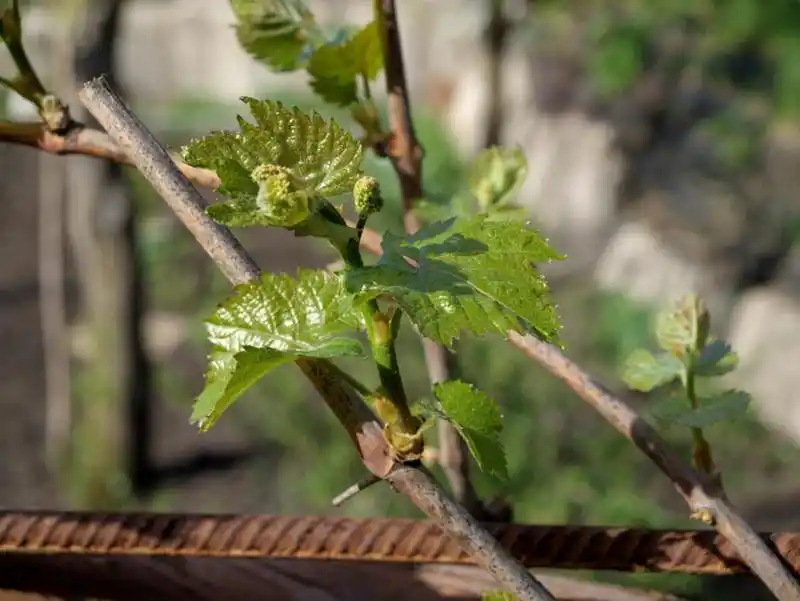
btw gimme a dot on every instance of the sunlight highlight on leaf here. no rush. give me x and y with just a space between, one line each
471 274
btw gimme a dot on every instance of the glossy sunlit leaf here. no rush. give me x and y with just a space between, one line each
471 274
308 316
228 377
644 371
478 420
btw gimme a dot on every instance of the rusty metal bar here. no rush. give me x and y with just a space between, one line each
382 540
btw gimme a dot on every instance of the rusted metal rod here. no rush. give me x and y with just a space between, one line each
381 540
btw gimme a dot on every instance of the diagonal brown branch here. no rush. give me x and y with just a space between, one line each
700 493
405 153
160 170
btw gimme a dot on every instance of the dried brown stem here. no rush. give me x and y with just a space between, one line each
220 244
405 153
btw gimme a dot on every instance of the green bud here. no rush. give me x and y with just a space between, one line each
278 197
264 172
367 195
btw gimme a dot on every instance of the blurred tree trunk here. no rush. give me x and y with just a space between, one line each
52 294
113 436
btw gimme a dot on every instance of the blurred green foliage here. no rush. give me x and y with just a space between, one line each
747 45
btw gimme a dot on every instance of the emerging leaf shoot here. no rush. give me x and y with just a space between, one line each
683 332
315 158
496 175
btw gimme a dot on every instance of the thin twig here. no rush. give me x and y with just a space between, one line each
699 491
156 165
405 153
83 140
353 490
495 39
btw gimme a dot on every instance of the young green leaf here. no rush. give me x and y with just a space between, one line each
685 327
228 377
322 158
307 316
335 68
278 32
496 175
726 406
478 420
716 359
644 371
466 274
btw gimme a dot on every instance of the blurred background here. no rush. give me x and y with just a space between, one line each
664 150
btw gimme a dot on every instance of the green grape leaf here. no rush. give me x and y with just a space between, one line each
228 377
716 359
472 274
304 317
335 68
496 175
276 32
322 158
726 406
684 327
478 420
644 371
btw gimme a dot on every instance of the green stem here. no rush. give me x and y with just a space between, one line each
381 338
27 84
702 459
381 331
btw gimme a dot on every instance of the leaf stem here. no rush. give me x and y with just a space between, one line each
27 84
382 331
702 459
405 152
381 334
